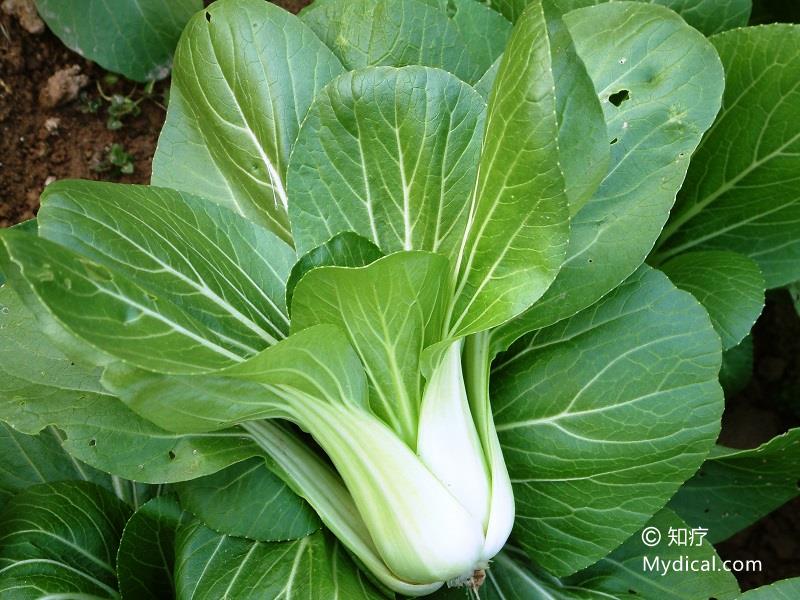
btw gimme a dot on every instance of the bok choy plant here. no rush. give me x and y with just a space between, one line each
384 305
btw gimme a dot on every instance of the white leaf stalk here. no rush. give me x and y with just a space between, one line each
417 518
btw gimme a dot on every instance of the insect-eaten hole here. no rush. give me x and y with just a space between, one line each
619 97
614 141
92 443
171 455
208 16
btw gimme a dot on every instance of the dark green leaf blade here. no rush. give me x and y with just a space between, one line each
735 488
136 39
61 538
786 589
146 556
728 284
210 566
742 192
626 573
247 500
604 415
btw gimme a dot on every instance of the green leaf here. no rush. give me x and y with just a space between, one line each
742 192
146 556
40 387
136 39
709 16
787 589
390 154
214 265
604 415
485 31
61 538
245 74
391 310
729 286
735 488
625 573
396 33
674 83
248 488
29 460
210 566
519 225
737 367
346 249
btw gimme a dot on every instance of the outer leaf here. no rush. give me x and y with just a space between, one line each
519 223
742 192
365 33
709 16
786 589
737 367
40 386
735 488
146 556
390 311
484 31
136 39
729 285
216 266
346 249
390 154
29 460
61 538
604 415
675 84
211 566
248 500
245 74
624 573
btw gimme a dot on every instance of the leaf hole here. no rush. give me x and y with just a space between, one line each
92 443
171 455
208 16
706 510
633 592
614 141
619 97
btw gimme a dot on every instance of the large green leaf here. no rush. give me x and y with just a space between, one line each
709 16
390 154
215 265
245 74
61 538
484 31
742 192
728 284
518 227
40 387
146 556
395 33
604 415
248 500
136 39
735 488
391 310
787 589
32 459
674 84
626 573
210 566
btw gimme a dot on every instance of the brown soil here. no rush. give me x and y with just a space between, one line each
39 144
